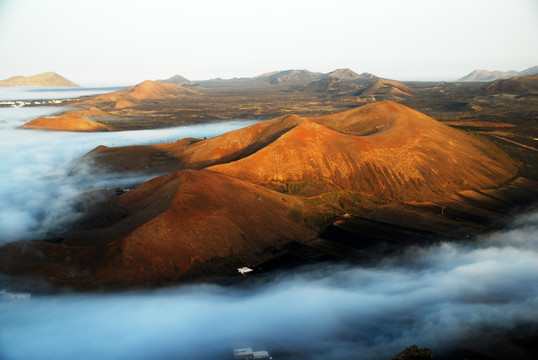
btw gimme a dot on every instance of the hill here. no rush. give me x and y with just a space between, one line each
530 71
176 79
403 154
147 90
387 89
45 79
259 189
485 75
290 76
516 85
349 75
179 225
345 74
69 122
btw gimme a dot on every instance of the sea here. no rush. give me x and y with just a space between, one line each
447 295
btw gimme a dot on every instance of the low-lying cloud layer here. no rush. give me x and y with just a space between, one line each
35 190
438 297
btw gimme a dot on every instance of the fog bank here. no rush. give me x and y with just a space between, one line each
35 189
40 92
438 298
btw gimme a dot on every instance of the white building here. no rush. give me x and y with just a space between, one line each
4 295
248 354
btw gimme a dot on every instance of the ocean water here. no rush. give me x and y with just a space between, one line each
442 296
40 93
35 190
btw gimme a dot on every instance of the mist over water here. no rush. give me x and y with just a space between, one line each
35 189
40 93
439 297
436 297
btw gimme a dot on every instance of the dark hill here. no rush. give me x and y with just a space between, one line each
516 85
181 225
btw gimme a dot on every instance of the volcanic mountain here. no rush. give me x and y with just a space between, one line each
180 225
147 90
516 85
350 75
290 76
383 149
69 122
176 79
485 75
258 189
345 74
45 79
383 89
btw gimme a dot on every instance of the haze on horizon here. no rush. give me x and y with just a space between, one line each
124 42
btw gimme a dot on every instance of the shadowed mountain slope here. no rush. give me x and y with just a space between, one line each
515 85
184 224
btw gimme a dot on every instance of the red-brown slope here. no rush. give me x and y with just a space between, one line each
66 123
147 90
191 153
516 85
186 223
382 149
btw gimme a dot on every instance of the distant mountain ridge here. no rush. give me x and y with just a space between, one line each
176 79
291 77
44 79
485 75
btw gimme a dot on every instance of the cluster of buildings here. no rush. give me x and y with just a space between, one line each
21 103
7 295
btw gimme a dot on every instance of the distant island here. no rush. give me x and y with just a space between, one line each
44 79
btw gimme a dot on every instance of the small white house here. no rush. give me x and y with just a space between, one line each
244 270
248 354
261 355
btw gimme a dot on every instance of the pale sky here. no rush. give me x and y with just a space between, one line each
124 42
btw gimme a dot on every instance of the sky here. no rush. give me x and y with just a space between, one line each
122 42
